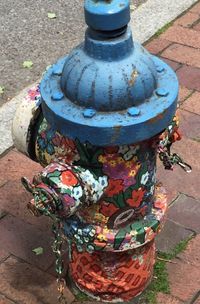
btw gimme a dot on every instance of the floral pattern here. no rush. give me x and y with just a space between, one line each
105 196
107 190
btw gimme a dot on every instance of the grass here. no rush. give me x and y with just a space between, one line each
80 296
160 282
163 29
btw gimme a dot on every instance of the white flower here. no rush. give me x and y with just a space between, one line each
97 195
103 181
131 152
145 178
134 149
92 232
95 185
154 176
152 189
87 177
123 149
128 155
77 192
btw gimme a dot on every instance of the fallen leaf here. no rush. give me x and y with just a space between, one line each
2 89
38 250
27 64
51 15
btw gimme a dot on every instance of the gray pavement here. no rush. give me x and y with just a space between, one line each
26 33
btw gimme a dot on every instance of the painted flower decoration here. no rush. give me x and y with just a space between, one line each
108 209
77 192
144 178
34 93
115 186
44 141
136 198
68 178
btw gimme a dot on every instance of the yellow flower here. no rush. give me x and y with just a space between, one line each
128 164
120 160
102 159
132 173
100 218
112 163
101 237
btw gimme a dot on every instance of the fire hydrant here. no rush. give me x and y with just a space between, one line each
96 123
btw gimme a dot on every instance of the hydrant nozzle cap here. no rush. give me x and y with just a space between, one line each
107 15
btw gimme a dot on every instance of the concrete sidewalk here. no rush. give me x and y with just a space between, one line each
30 279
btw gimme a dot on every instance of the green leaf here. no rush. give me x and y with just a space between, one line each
119 238
120 200
27 64
38 250
51 15
2 89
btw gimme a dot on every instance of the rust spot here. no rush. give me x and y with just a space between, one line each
157 118
134 75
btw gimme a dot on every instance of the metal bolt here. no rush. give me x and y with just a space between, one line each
162 92
56 70
160 69
89 113
57 95
133 111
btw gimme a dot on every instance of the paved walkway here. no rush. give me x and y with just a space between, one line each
28 34
26 278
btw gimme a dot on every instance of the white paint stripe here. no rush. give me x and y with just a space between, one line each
146 20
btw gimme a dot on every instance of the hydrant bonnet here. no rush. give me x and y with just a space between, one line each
114 78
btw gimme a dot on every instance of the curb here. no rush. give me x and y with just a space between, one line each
146 20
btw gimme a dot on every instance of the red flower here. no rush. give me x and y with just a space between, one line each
108 209
114 187
65 143
137 196
68 178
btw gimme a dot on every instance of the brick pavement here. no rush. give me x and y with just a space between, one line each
27 278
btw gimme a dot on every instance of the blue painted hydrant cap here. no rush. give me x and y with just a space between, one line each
109 90
107 15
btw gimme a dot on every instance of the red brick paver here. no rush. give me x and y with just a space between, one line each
157 45
167 299
26 284
187 20
20 238
197 27
184 275
4 300
183 36
183 54
189 124
189 77
183 93
196 9
192 104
